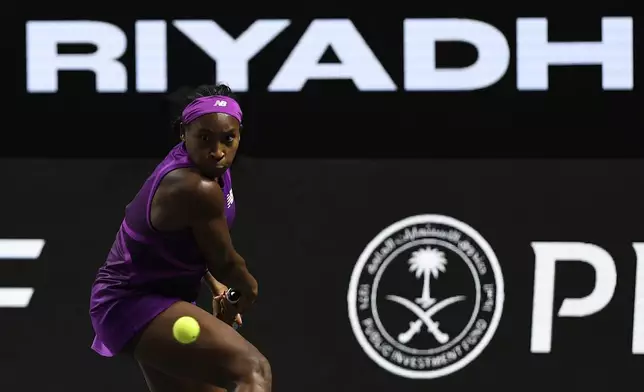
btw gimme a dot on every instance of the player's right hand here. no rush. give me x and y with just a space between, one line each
225 311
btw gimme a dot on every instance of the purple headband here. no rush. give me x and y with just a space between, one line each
212 104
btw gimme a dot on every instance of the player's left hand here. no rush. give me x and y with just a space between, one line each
225 311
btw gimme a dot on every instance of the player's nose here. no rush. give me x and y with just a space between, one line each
218 154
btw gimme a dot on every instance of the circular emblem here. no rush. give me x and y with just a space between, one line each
425 296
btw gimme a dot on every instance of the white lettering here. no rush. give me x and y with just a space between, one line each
547 254
614 53
638 312
151 56
357 61
421 36
44 62
18 249
231 55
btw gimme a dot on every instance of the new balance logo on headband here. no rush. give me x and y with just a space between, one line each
220 103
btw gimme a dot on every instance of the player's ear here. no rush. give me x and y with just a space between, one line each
182 132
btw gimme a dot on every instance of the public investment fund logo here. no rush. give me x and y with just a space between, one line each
426 296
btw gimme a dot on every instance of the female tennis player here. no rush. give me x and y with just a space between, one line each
174 235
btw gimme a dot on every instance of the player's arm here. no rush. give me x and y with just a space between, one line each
208 223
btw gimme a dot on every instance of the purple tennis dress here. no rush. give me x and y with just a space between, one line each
146 270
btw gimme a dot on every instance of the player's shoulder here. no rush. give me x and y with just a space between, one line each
189 186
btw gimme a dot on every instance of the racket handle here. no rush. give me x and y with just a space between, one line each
233 296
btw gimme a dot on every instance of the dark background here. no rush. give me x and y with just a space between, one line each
321 181
574 118
305 236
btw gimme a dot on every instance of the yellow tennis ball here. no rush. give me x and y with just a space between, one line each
186 330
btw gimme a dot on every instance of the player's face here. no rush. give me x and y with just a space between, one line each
212 141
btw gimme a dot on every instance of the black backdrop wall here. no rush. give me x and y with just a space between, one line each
306 235
383 101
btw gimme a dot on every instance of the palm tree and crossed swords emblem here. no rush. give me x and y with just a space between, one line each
426 263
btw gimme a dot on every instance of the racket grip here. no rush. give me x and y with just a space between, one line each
233 296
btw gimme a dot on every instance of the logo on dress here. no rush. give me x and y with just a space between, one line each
230 199
425 296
